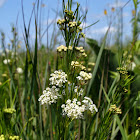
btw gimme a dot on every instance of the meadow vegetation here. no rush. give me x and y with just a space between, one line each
79 89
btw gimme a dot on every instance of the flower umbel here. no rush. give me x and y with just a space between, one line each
58 78
74 109
49 96
84 77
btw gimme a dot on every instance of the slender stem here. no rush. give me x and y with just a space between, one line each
79 129
99 102
21 106
50 119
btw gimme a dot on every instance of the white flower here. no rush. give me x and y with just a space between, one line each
79 103
63 105
133 65
78 91
19 70
79 78
68 101
81 92
6 61
74 101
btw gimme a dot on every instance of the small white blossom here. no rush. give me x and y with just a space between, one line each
133 65
19 70
81 92
61 48
78 91
6 61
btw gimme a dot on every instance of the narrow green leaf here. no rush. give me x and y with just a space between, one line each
3 84
117 129
121 128
97 61
107 98
13 101
92 24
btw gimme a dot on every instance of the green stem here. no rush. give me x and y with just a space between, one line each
50 119
79 129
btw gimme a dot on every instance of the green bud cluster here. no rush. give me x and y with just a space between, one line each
81 51
115 109
122 70
138 122
69 14
14 138
9 110
70 24
77 65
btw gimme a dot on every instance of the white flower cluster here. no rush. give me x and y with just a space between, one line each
76 64
84 77
49 96
81 50
74 109
58 78
61 48
78 91
89 105
6 61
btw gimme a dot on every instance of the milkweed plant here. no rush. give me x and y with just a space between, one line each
67 85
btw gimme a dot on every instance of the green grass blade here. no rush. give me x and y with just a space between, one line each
3 84
121 127
107 98
92 24
97 62
15 95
